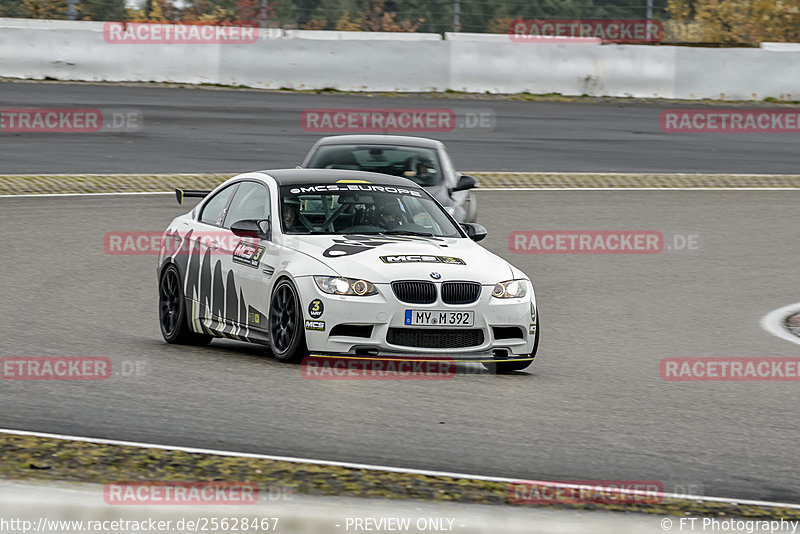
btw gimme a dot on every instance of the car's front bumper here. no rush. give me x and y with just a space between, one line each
507 326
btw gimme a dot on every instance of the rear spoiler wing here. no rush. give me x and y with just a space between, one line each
180 194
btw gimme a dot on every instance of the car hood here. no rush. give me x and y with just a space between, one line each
383 259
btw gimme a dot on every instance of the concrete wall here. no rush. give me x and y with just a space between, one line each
403 62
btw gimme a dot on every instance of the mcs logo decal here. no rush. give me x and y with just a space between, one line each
315 325
423 259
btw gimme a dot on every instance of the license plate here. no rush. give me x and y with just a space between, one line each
439 318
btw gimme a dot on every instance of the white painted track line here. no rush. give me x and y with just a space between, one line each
637 189
480 190
50 195
773 322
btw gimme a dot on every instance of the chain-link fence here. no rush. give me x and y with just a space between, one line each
741 22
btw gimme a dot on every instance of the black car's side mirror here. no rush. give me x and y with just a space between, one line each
252 228
475 231
465 182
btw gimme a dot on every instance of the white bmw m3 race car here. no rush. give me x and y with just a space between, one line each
341 263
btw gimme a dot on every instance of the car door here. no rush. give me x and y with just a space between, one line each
250 266
209 267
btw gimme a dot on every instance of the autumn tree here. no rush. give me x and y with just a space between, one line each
248 10
733 21
344 24
44 9
315 24
377 18
102 10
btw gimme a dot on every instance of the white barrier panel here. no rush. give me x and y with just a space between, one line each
737 73
402 62
781 47
343 65
569 69
85 55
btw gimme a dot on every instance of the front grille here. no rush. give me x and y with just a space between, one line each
460 292
435 338
415 292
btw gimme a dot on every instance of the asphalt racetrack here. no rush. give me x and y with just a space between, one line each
592 407
216 130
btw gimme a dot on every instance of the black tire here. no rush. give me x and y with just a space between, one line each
172 311
287 338
501 368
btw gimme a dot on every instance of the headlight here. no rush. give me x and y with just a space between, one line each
337 285
510 289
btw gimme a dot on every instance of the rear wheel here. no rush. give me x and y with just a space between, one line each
172 311
286 336
502 367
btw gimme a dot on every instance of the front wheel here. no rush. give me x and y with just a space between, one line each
286 336
502 367
172 311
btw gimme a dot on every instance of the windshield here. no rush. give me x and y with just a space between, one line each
420 165
358 208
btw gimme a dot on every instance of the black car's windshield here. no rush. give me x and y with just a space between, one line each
420 165
362 208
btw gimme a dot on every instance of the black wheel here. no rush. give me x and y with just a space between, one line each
509 367
172 311
287 339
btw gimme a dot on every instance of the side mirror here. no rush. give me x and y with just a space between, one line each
465 182
475 231
252 228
